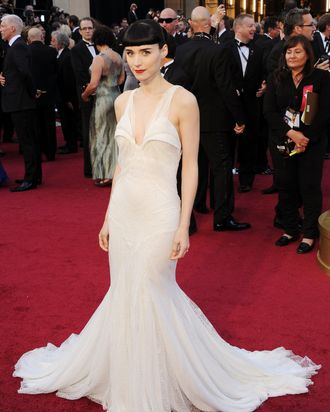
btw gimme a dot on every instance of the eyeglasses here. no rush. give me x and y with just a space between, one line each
167 21
87 28
308 25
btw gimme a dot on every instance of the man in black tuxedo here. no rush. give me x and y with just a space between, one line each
18 98
248 77
82 56
132 16
321 47
44 77
265 41
66 99
74 26
207 70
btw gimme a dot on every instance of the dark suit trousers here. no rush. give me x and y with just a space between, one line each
217 149
69 123
203 178
25 124
86 110
299 179
47 129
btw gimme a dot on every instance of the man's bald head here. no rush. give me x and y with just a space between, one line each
168 19
200 20
35 34
200 13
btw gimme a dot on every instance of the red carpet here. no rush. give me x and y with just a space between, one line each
53 276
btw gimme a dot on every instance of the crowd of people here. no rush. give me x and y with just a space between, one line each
254 83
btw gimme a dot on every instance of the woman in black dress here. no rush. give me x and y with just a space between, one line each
298 177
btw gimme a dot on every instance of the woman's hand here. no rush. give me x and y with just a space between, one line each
84 97
298 138
180 244
104 237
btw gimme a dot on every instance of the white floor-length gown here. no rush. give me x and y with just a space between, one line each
148 347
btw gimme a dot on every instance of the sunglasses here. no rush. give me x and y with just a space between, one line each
169 20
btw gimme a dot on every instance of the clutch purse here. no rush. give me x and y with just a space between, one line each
286 148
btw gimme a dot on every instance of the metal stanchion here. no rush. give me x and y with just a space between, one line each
323 254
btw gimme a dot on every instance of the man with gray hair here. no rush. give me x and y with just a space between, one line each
18 98
67 99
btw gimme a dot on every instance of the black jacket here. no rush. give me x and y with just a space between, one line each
44 74
248 84
81 60
318 46
19 91
280 96
206 68
66 89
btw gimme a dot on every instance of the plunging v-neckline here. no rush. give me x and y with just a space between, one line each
132 116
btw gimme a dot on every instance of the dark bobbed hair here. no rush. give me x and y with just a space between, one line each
142 32
323 22
293 41
104 36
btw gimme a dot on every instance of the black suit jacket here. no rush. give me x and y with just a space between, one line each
266 44
318 46
248 84
66 89
81 60
274 57
180 38
132 17
76 36
18 94
283 94
226 36
207 72
44 71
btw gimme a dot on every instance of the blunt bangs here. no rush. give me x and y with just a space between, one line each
143 32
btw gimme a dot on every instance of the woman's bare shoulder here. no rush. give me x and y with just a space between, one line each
184 98
121 102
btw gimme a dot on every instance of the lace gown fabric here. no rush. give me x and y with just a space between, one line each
148 347
103 147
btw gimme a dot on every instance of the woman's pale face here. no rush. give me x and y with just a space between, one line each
145 61
296 57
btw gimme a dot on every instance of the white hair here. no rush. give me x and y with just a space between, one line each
15 21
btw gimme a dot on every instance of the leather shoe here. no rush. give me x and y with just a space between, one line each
201 209
20 181
23 187
244 188
270 190
285 241
304 248
230 224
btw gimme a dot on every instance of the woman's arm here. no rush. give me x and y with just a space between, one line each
189 134
96 73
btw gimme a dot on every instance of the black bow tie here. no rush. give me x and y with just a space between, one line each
163 70
241 44
327 39
88 44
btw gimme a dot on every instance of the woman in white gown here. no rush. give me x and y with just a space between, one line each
148 347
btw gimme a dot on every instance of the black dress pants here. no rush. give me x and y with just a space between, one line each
299 180
25 124
217 149
86 110
203 179
47 129
70 124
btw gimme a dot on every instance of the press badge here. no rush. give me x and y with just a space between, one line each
292 118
